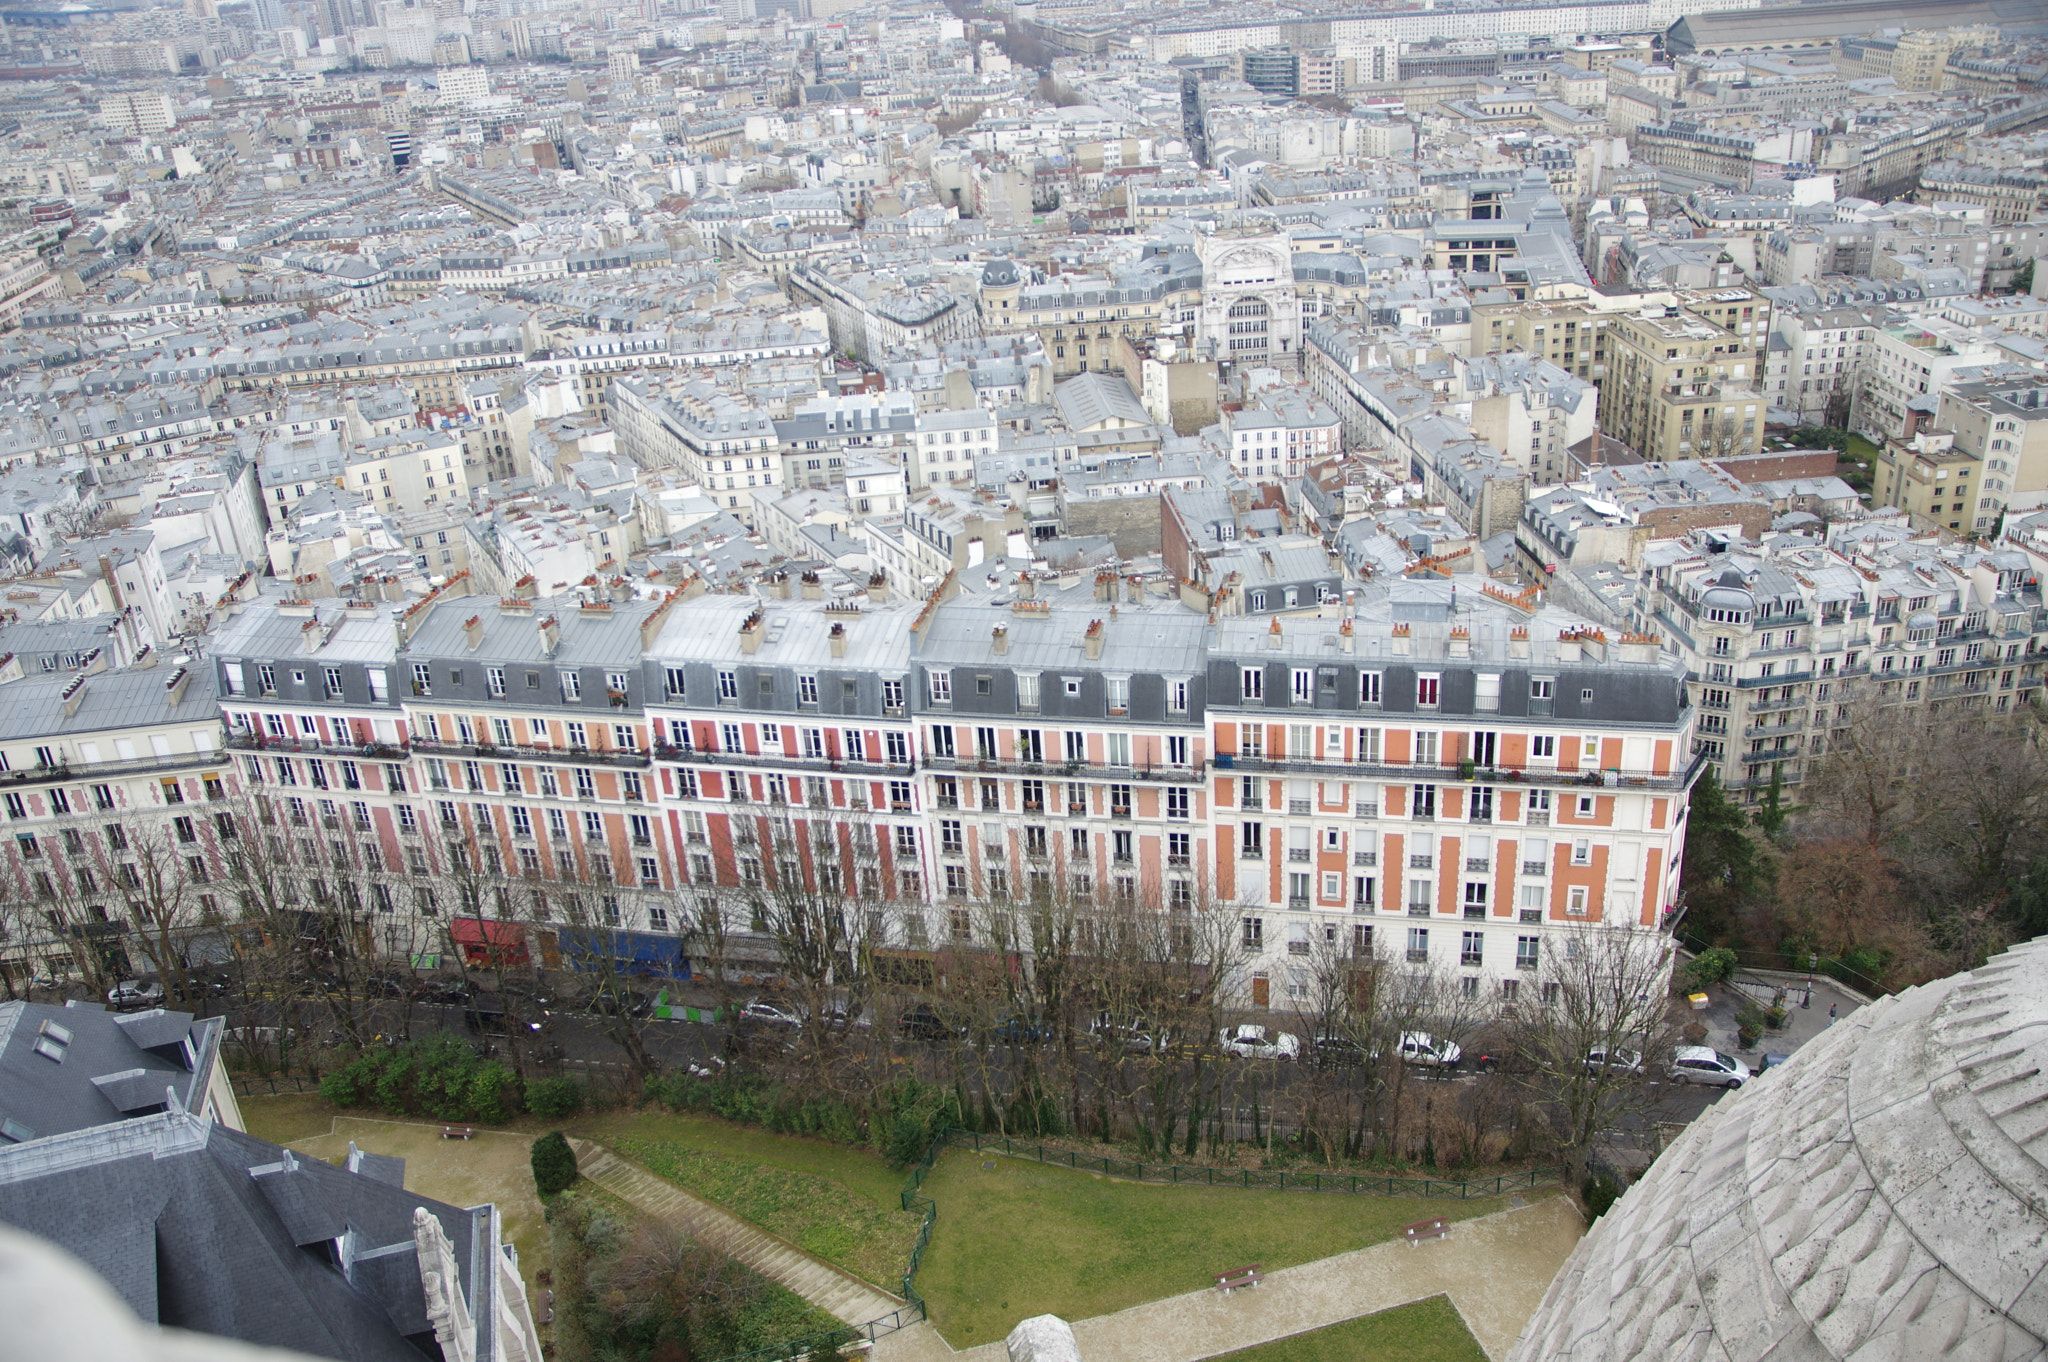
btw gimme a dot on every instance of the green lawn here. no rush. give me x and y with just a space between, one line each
820 1197
1021 1239
1426 1331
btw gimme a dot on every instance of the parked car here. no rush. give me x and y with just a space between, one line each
1419 1047
1136 1036
1704 1064
761 1014
1251 1041
1019 1031
1335 1047
923 1022
130 994
1618 1060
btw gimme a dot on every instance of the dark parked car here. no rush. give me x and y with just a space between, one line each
922 1022
1335 1047
1020 1031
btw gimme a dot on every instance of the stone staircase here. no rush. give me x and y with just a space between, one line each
831 1289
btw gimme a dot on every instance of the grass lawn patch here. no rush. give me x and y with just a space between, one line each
819 1213
1424 1331
1018 1239
287 1116
863 1170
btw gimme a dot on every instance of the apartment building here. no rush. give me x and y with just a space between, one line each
1931 478
1420 754
1906 369
117 794
2005 423
1784 650
1683 386
1441 780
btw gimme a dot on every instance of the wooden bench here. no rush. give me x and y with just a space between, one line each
1426 1229
458 1132
1227 1282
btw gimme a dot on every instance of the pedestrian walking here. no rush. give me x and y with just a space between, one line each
1831 1014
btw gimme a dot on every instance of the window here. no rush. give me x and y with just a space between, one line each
807 690
1027 690
1418 944
1368 753
572 687
494 680
1177 698
728 685
1525 952
1575 904
1487 692
940 685
1426 748
1119 690
422 679
1254 933
1541 687
1252 683
1368 688
1428 688
1252 839
1304 686
1472 949
1582 852
1423 804
674 679
1543 747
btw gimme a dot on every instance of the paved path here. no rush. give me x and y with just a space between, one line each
1495 1270
831 1289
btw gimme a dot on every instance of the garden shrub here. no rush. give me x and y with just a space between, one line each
1600 1192
554 1164
555 1097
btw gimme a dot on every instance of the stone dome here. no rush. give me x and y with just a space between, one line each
1881 1196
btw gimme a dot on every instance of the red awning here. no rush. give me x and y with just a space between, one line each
475 931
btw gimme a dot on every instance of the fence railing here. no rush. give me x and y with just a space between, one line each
1175 1174
275 1084
1278 1180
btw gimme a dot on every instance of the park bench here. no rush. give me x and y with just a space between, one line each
1426 1229
457 1132
1227 1282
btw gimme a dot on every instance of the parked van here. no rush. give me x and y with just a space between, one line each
1704 1064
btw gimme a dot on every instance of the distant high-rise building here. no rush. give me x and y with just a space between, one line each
400 144
269 14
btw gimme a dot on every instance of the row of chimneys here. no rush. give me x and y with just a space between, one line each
813 587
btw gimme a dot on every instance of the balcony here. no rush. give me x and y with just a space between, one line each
1120 811
1525 962
1416 957
1300 855
1457 772
1534 868
1170 775
1422 862
1298 808
1418 910
1365 858
1298 947
1367 808
1298 903
1477 865
692 756
1475 912
1531 915
553 756
1537 818
1173 860
308 747
1252 853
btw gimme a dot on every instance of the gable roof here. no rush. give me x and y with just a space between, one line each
201 1227
71 1068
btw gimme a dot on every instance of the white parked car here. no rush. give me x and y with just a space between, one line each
1617 1060
1704 1064
1250 1041
1419 1047
131 994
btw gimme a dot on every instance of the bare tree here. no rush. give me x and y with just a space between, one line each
1594 1032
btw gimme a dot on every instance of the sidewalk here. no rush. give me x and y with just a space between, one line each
1801 1023
1494 1269
831 1289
